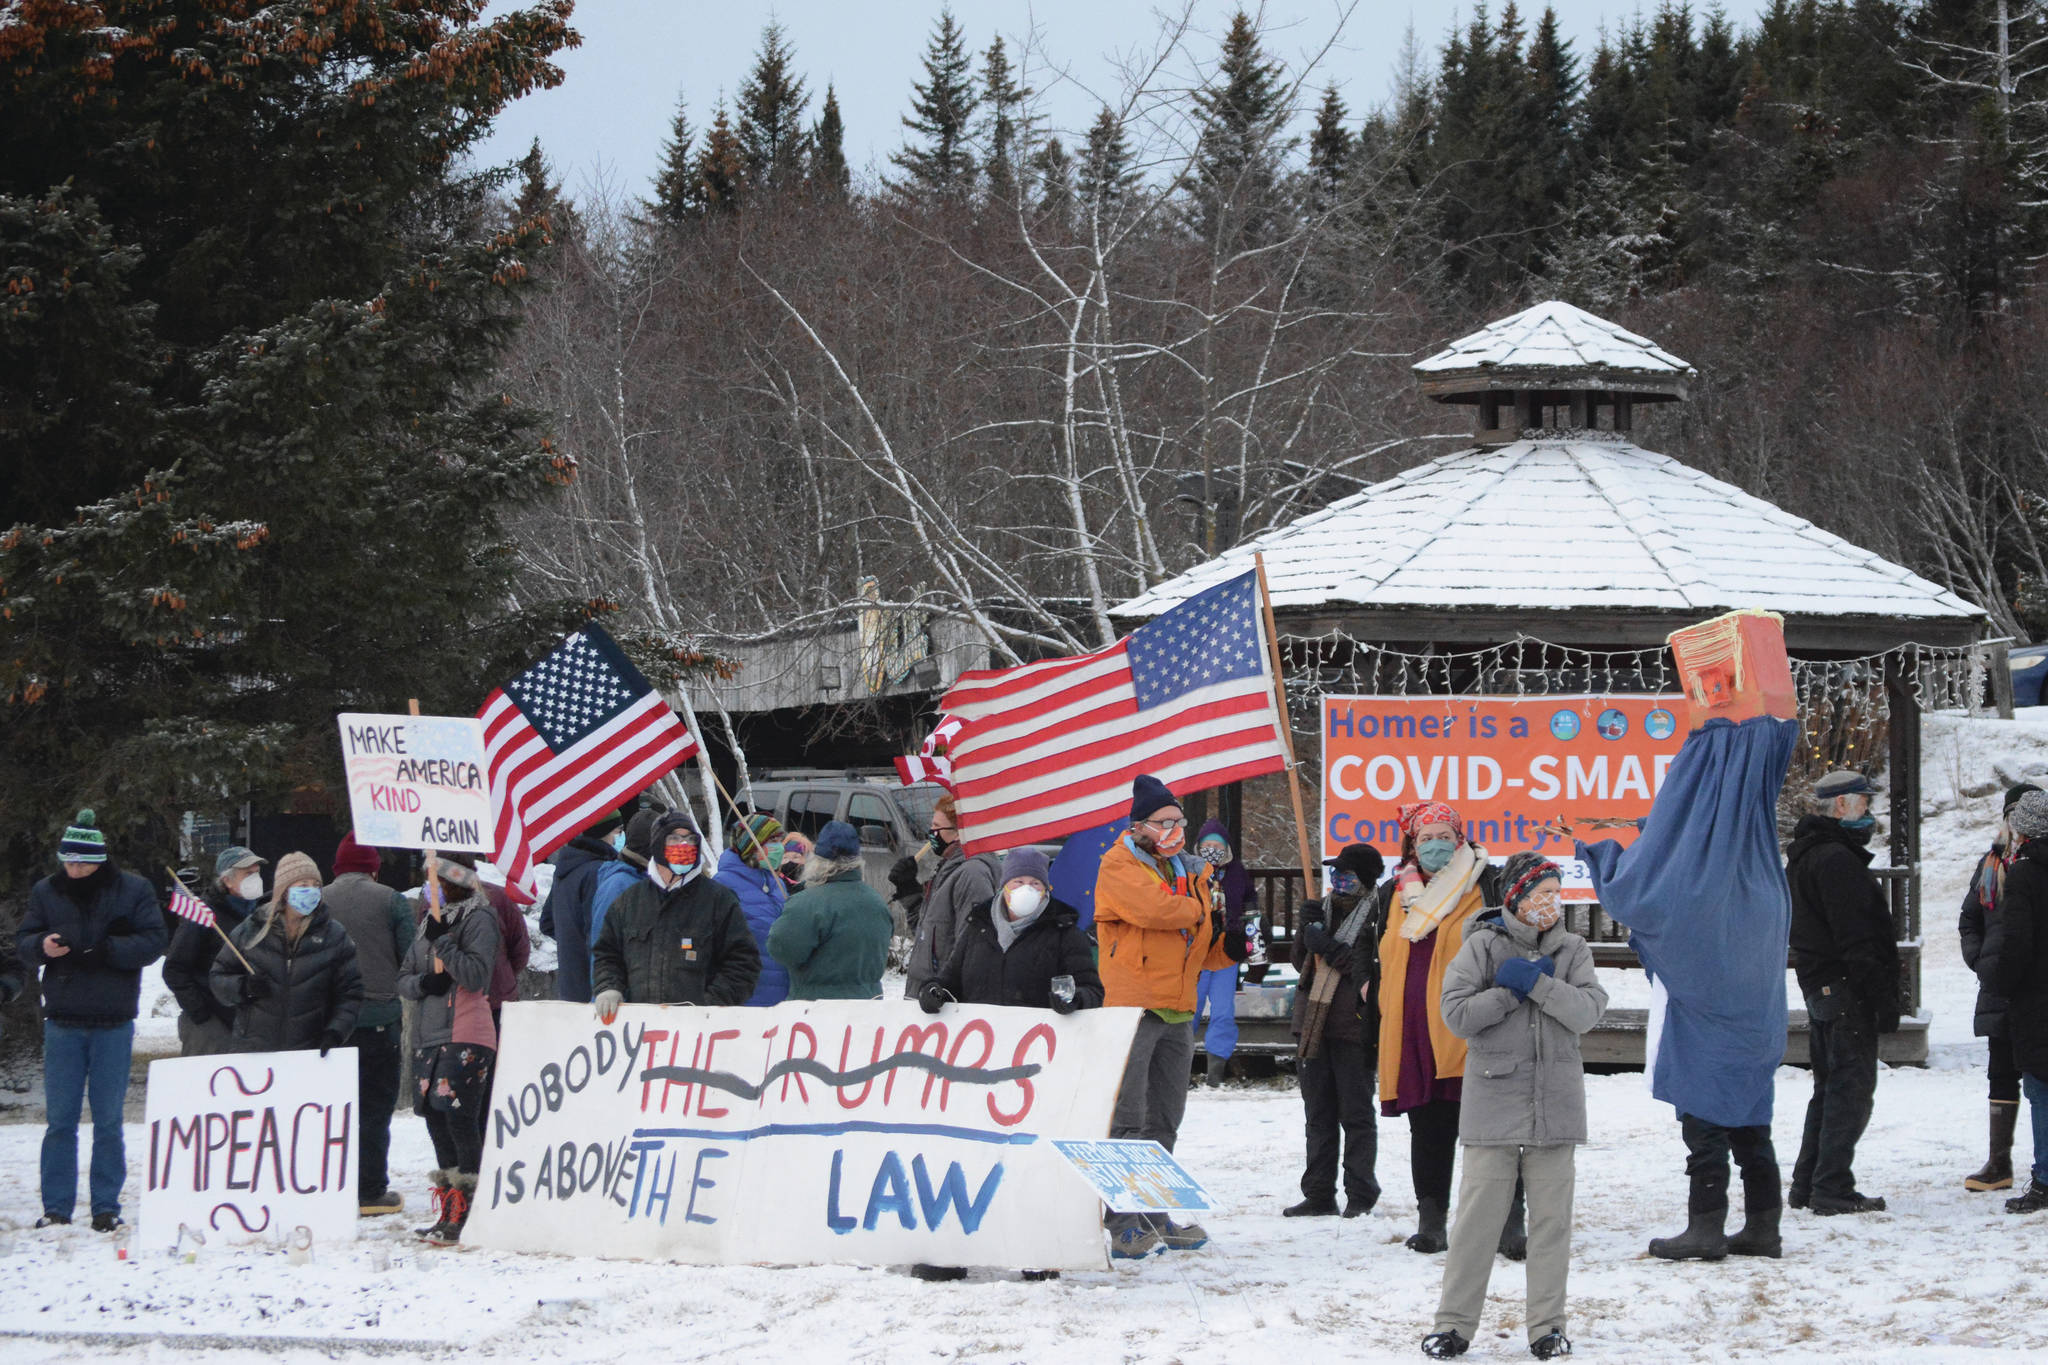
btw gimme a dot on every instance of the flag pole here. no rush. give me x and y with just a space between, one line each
218 930
1308 864
746 826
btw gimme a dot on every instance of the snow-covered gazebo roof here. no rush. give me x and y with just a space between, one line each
1555 346
1562 536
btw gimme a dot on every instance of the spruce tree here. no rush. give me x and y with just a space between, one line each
1105 175
941 165
1329 153
1005 100
678 198
256 469
771 106
828 171
1054 170
721 165
539 196
1236 172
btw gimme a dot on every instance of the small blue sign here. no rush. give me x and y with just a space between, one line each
1133 1176
1612 724
1660 724
1564 725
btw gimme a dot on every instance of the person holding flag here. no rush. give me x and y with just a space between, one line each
205 1027
1159 927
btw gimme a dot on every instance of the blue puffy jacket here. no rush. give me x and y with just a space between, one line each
566 916
761 898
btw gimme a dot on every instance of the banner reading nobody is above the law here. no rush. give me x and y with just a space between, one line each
1508 764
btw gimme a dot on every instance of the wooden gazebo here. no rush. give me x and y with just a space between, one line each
1555 554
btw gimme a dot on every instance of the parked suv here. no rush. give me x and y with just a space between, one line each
892 819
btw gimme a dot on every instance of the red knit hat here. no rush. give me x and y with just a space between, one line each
353 857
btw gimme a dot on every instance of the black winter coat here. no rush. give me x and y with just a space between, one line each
979 972
115 929
1982 934
687 945
315 986
188 966
566 916
2021 974
1350 1016
1841 923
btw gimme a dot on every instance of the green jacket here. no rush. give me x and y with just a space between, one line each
834 938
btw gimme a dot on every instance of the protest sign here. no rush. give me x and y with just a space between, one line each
251 1147
1508 764
818 1131
1134 1176
417 781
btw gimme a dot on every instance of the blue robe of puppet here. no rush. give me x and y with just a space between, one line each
1702 891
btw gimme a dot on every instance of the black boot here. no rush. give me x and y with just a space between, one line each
1759 1235
1705 1238
1430 1235
2033 1201
1326 1207
1514 1234
1219 1071
1444 1345
1997 1171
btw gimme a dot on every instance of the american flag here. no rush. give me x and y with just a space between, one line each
568 739
1050 748
185 905
933 760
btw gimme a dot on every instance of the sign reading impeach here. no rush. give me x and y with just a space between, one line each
817 1131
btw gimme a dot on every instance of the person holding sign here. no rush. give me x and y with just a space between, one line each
288 974
678 938
448 971
1521 992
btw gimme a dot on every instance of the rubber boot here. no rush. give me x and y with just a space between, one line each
1997 1172
1219 1071
1514 1234
1759 1235
1705 1238
437 1201
1430 1234
461 1193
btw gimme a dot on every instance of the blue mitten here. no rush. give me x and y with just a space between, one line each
1548 964
1519 975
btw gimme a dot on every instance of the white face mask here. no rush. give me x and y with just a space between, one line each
1023 901
250 888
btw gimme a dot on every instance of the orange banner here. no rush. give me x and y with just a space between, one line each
1507 764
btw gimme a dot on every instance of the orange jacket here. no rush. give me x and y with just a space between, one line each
1155 940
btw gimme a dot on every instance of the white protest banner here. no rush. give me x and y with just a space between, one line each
417 781
818 1131
1135 1175
247 1148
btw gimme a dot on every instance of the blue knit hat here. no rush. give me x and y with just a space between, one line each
83 842
1149 796
837 840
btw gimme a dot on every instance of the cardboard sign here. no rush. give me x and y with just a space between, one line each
818 1131
1507 764
417 781
1134 1176
250 1148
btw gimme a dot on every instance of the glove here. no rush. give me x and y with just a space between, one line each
329 1040
1060 1006
255 988
436 983
1317 939
607 1005
1519 975
433 928
1340 958
1216 926
1236 947
932 998
1888 1018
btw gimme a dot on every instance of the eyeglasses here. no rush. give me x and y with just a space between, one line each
1168 825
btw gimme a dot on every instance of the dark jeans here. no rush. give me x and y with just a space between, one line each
1844 1052
76 1060
1707 1148
1433 1149
2004 1071
376 1096
1336 1097
2037 1105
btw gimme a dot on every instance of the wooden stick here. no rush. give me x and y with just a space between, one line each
218 930
745 826
1308 864
430 889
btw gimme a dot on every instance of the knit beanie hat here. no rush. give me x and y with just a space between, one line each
1149 796
640 830
2029 819
1521 873
838 840
766 830
2013 795
353 857
1026 862
83 842
293 869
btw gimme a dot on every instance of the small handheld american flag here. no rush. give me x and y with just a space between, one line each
185 905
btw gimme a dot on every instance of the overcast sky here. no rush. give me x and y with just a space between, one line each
639 56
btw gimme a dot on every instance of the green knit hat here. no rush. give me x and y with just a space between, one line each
83 842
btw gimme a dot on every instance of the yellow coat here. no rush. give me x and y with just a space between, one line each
1447 1047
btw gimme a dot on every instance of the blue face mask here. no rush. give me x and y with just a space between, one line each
304 899
1434 854
1345 884
619 839
1860 822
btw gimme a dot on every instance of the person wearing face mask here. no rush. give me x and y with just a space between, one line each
1982 932
301 986
1441 883
958 884
833 936
1336 1072
615 878
1846 955
566 917
1159 927
751 868
796 851
1216 992
205 1027
677 938
1521 992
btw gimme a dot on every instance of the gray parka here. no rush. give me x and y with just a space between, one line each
1524 1082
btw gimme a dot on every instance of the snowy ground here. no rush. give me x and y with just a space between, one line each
1944 1275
